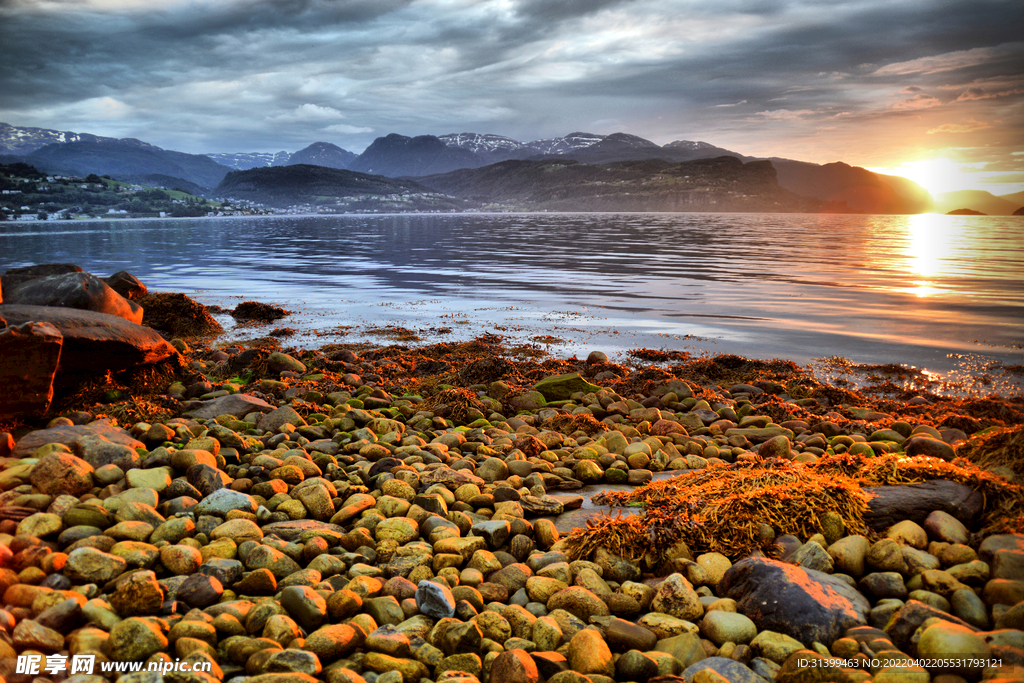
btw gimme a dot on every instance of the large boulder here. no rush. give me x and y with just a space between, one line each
31 353
94 343
127 285
888 505
15 276
74 290
805 604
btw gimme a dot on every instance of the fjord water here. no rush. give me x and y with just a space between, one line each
925 290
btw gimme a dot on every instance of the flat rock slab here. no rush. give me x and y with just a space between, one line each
69 434
238 405
291 530
94 342
891 504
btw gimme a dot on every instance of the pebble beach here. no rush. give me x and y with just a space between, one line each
457 513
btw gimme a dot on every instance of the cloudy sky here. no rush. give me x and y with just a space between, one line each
930 89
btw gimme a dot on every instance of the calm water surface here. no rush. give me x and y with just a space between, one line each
926 290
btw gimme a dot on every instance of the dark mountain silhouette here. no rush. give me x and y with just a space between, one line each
124 158
720 184
323 154
397 155
318 185
859 188
978 200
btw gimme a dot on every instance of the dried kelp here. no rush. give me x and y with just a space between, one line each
997 448
455 403
178 315
721 508
570 424
1004 500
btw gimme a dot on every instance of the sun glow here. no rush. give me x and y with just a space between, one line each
939 175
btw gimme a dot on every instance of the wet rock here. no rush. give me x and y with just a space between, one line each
514 666
73 290
675 596
770 592
237 405
727 627
435 600
137 595
89 565
200 590
135 640
59 474
589 654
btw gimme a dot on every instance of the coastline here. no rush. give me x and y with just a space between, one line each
302 510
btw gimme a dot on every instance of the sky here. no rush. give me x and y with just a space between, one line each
933 90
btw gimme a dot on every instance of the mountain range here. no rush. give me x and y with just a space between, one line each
839 185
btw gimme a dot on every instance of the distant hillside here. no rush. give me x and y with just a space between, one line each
859 188
1017 198
124 158
397 156
720 184
978 200
323 154
323 187
241 161
167 182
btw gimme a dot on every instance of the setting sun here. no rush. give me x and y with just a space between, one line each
939 175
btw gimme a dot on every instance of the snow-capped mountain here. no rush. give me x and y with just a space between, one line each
572 142
245 160
20 140
480 143
690 145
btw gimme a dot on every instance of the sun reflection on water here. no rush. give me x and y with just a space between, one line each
930 249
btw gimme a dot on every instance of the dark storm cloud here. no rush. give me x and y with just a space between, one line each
271 74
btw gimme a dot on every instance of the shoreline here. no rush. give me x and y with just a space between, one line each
290 515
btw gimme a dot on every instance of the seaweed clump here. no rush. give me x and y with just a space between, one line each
997 448
178 315
723 507
455 403
254 311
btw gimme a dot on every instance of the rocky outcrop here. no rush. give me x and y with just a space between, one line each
127 285
30 353
15 276
74 290
94 343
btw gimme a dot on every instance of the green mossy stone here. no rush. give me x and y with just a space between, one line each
562 387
